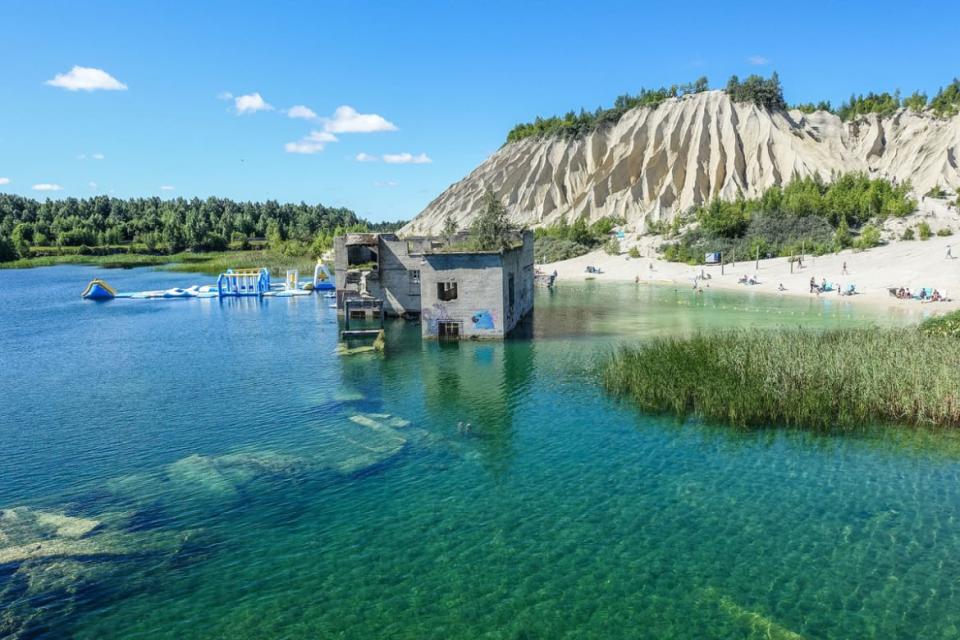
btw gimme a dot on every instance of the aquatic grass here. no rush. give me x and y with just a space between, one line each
825 380
943 325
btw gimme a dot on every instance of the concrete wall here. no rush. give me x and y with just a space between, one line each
479 304
482 307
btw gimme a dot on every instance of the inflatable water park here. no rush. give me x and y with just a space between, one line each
232 283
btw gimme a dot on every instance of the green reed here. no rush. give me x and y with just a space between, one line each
837 379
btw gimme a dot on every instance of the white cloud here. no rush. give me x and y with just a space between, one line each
302 112
46 186
313 143
365 157
4 180
86 79
251 103
346 120
92 185
92 156
406 158
167 187
224 95
98 156
389 184
758 60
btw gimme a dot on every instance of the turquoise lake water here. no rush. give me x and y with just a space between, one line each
226 476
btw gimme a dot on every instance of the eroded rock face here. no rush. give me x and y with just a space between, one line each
688 150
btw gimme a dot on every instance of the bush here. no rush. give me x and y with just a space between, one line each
946 231
547 249
923 230
612 247
908 234
946 325
869 238
936 192
634 252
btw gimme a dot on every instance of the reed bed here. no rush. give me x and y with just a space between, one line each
838 379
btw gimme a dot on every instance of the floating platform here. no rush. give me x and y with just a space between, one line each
239 283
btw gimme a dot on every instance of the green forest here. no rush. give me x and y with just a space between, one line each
807 215
102 225
763 92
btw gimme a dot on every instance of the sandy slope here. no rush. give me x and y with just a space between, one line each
914 264
662 160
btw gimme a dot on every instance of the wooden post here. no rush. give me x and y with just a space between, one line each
757 266
791 263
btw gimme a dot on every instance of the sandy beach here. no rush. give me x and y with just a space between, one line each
914 264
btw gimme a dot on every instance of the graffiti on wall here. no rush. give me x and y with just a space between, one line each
483 320
432 315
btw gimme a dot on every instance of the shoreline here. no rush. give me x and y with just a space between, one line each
913 264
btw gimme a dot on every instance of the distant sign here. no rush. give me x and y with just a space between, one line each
713 258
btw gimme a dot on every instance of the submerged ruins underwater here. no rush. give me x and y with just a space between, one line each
236 479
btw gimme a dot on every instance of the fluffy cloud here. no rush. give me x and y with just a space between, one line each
167 187
313 143
406 158
4 180
251 103
758 60
365 157
46 186
302 112
86 79
346 120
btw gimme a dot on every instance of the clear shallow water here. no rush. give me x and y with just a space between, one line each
236 498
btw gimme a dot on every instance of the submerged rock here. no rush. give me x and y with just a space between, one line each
21 525
359 444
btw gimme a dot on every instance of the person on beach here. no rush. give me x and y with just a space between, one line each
949 253
780 287
846 273
813 284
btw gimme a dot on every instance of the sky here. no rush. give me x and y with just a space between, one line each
380 106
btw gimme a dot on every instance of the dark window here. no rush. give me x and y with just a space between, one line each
510 295
413 278
447 330
447 291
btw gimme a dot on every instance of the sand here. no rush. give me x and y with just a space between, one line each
914 264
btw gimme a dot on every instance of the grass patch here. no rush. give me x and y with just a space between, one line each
211 263
946 325
840 379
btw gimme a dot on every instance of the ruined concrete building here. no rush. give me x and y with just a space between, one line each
457 293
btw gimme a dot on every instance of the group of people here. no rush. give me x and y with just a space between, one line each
924 295
748 280
826 287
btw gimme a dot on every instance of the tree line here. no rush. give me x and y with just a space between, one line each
151 225
823 216
945 104
573 125
766 93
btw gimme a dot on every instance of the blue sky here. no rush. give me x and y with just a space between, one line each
446 80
